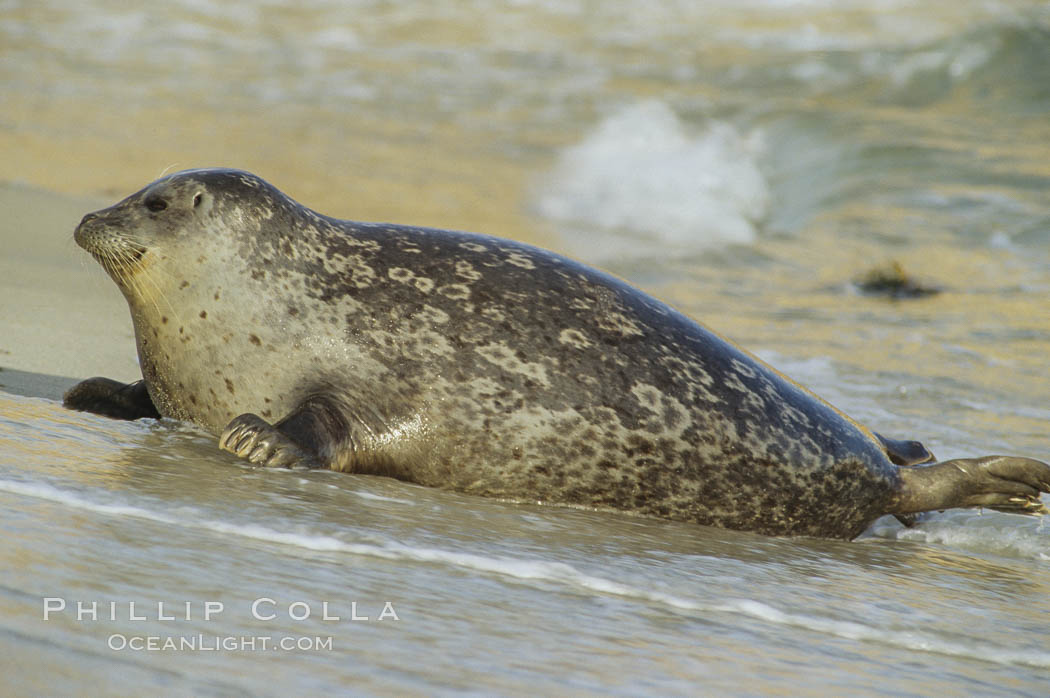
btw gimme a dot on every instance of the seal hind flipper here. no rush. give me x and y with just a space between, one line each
1002 483
905 452
110 398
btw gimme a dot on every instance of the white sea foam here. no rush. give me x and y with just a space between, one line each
642 177
982 532
51 493
906 639
381 498
558 573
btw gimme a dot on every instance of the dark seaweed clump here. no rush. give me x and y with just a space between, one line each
890 280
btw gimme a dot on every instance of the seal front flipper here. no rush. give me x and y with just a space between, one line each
111 398
1002 483
254 439
309 437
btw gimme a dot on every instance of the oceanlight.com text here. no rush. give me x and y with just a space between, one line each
215 643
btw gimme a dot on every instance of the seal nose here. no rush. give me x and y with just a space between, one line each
78 234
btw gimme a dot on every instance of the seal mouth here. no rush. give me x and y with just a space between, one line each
121 262
118 255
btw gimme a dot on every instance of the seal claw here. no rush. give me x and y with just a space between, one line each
244 440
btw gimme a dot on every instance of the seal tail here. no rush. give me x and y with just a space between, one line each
1003 483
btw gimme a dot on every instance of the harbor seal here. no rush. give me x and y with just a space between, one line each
484 366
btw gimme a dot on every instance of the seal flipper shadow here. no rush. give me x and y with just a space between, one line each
1002 483
110 398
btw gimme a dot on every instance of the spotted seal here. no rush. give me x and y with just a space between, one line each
485 366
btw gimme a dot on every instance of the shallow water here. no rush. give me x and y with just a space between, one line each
744 161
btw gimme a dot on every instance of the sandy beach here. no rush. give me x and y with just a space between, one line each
63 319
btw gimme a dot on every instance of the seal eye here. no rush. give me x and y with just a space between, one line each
156 204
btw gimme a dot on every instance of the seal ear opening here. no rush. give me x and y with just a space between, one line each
197 199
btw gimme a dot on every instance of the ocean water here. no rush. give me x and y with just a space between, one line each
745 161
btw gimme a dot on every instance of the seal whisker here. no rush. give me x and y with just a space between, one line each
129 259
123 266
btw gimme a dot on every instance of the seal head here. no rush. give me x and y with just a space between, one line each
121 237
